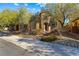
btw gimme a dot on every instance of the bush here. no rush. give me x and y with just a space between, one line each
48 38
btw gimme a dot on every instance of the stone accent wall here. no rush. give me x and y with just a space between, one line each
68 42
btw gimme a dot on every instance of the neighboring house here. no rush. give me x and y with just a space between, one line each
73 26
41 23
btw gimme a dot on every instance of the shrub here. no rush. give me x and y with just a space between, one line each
48 38
39 32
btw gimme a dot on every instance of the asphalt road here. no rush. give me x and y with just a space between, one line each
9 49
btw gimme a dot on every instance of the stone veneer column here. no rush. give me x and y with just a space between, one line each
37 26
49 29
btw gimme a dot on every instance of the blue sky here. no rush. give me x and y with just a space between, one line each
32 7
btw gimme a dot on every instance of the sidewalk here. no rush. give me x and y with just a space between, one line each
39 48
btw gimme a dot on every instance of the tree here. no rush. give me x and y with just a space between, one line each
63 12
7 17
23 17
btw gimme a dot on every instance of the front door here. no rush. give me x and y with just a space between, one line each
46 26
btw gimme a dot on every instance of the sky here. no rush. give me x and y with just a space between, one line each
31 7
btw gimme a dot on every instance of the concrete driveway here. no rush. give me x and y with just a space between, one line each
17 46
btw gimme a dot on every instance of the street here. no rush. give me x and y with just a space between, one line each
9 49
